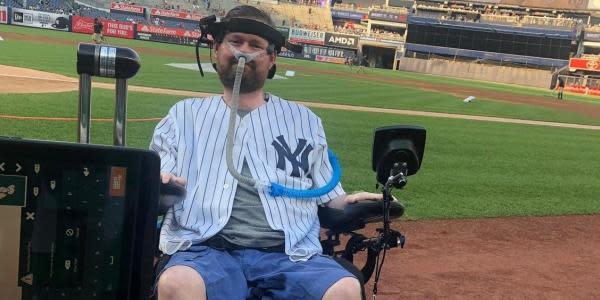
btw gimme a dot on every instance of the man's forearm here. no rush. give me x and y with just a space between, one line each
343 200
338 203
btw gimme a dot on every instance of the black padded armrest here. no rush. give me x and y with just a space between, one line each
355 216
170 193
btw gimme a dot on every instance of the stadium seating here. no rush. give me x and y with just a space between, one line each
288 14
15 3
94 13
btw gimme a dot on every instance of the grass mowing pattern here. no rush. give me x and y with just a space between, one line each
319 87
470 169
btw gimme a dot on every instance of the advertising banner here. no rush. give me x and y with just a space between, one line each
3 14
155 12
307 36
351 15
341 40
387 16
40 19
82 24
118 29
122 7
167 34
587 64
318 53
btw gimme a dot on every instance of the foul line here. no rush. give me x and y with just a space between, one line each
448 116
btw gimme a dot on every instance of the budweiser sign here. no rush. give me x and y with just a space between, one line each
82 24
168 31
174 14
306 36
589 64
127 7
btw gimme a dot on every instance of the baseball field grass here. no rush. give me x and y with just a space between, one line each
471 168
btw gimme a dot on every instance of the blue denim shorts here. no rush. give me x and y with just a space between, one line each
254 274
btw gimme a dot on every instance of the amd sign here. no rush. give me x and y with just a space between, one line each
341 40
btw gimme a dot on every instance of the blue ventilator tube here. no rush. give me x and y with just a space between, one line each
274 189
280 190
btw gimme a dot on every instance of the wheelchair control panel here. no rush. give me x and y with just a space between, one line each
76 221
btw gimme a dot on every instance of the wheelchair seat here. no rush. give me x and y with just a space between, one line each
337 221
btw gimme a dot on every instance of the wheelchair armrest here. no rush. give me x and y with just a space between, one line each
355 216
170 193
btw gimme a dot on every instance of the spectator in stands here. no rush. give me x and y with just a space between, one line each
97 35
560 86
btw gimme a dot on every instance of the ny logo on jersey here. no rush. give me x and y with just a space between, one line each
284 152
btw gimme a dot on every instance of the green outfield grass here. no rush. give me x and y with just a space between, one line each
77 37
307 86
470 169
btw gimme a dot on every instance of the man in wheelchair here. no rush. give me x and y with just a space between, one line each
229 239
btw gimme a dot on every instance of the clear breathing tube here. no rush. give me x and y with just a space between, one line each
274 189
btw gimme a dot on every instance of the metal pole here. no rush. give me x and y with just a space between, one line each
120 121
84 116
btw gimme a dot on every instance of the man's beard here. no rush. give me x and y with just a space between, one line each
251 81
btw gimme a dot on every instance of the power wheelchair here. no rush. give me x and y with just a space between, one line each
78 221
397 153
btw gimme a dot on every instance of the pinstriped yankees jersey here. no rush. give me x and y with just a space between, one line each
282 142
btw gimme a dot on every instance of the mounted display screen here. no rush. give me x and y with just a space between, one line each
76 221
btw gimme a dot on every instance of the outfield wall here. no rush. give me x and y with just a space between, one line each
468 70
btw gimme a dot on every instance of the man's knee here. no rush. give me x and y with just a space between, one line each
347 288
181 282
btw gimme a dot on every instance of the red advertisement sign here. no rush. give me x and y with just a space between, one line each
111 28
584 64
174 14
127 7
82 24
329 59
168 31
3 15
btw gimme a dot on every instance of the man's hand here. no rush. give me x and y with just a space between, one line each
169 177
342 201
